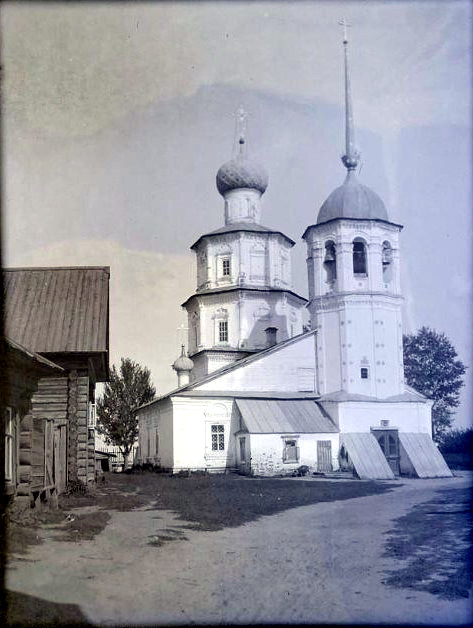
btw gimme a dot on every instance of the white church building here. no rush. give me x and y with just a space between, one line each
259 394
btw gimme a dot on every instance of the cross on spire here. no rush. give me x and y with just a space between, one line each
351 157
343 22
241 117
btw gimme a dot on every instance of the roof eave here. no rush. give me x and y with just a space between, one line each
326 222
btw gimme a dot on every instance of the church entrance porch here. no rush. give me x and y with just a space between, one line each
388 439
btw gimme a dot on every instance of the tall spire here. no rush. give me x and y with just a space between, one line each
351 157
241 117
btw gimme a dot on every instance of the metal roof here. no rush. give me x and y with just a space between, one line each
424 455
409 395
353 200
367 457
30 355
242 394
271 416
58 310
237 227
243 288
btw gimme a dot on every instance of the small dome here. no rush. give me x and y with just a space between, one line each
353 200
183 363
241 173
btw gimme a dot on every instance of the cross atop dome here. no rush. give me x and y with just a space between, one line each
241 172
241 118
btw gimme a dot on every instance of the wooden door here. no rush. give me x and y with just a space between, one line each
389 443
48 453
60 458
324 456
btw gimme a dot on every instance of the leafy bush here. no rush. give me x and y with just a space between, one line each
457 441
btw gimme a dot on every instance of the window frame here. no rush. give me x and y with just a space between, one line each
217 430
226 266
287 447
359 257
223 330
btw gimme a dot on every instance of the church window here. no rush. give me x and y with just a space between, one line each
226 267
291 450
364 372
387 258
218 437
330 262
223 331
359 258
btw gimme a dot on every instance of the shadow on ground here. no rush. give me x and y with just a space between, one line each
434 543
28 610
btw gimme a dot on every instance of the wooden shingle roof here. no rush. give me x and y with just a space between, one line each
58 310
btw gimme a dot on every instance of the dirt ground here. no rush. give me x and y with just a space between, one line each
398 552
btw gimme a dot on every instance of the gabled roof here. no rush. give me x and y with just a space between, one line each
58 310
242 226
231 367
275 416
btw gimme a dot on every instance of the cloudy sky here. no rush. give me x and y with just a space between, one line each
116 117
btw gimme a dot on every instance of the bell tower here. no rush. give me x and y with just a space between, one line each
354 283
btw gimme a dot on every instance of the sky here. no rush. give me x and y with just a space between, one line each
117 116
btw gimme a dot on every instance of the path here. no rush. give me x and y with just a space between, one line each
322 563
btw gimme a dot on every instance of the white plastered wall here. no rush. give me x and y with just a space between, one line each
358 416
267 452
282 370
152 418
193 418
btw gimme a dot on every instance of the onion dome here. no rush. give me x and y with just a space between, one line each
353 200
183 363
241 172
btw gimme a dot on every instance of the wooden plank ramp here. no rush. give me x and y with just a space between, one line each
367 457
424 456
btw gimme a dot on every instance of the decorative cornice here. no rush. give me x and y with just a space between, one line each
243 291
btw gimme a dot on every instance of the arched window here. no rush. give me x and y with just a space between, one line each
387 258
359 258
330 262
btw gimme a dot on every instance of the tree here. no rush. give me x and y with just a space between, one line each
128 388
457 441
431 368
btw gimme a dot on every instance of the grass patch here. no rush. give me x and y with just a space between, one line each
213 502
434 542
84 527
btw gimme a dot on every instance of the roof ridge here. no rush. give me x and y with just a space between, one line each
233 366
43 268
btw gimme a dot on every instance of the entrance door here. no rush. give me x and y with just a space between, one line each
389 443
324 456
60 458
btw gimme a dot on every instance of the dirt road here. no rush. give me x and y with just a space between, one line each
323 563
